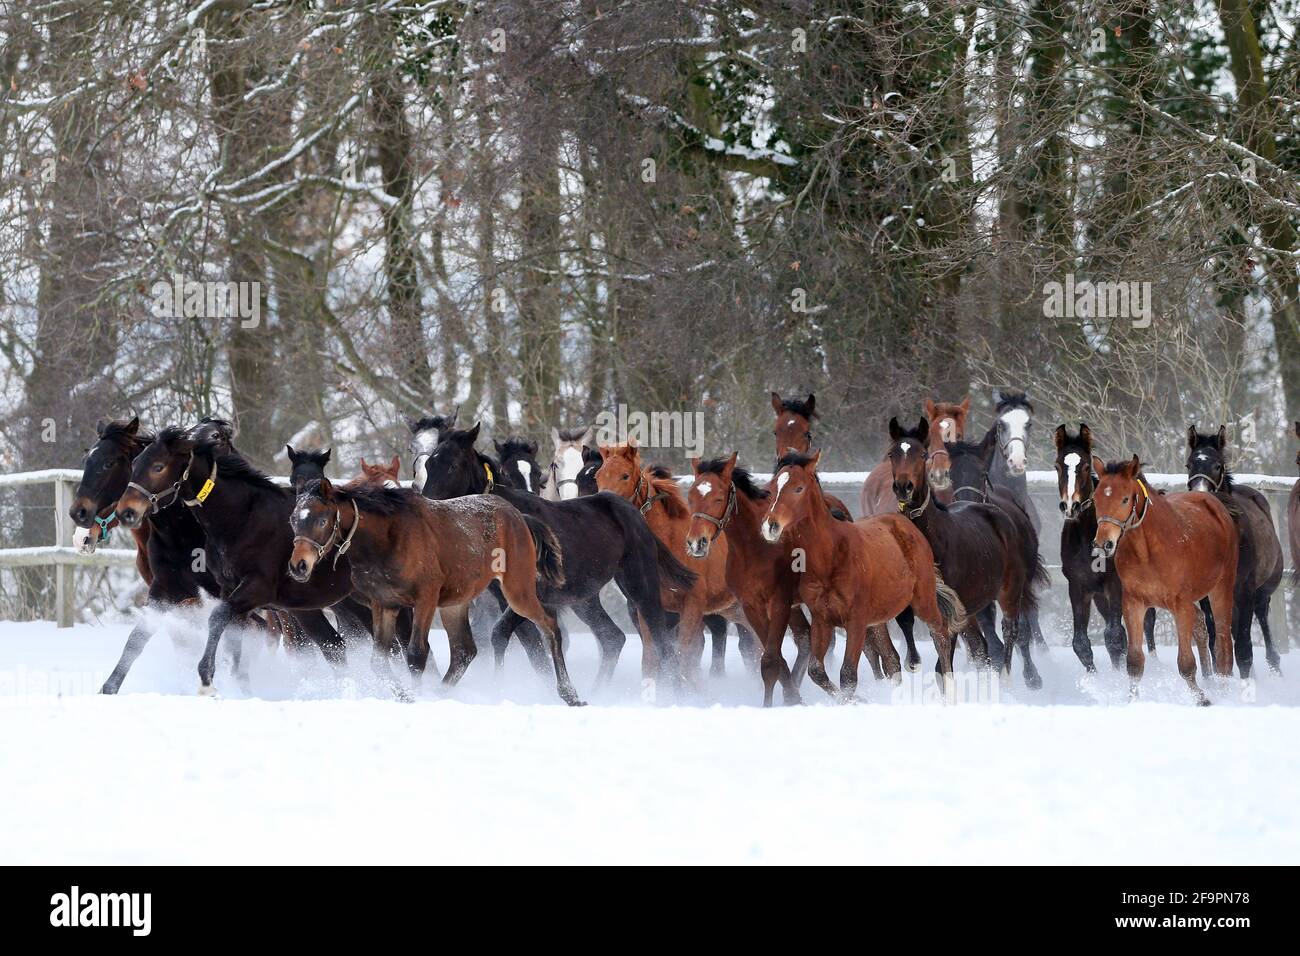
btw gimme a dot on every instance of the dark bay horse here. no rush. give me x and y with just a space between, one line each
724 500
1091 582
1259 552
245 522
857 575
983 552
946 422
793 432
1014 421
1170 551
603 538
518 457
408 551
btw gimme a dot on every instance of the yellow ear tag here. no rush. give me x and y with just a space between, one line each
902 506
206 490
1145 493
488 471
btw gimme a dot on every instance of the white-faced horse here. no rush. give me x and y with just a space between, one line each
561 480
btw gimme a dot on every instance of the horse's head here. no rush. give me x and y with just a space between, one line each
567 462
969 465
1121 500
793 429
947 421
518 458
104 474
428 431
620 470
315 523
1014 418
217 432
793 491
908 457
712 500
381 476
455 467
591 462
1206 468
1074 477
305 466
157 475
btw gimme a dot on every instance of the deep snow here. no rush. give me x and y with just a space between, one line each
322 772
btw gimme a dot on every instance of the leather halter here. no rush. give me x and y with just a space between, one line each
720 523
1223 474
650 499
916 512
982 491
334 538
171 494
1132 522
561 482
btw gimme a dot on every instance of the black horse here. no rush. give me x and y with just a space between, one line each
1259 554
1090 580
984 552
518 457
425 434
602 537
591 462
245 521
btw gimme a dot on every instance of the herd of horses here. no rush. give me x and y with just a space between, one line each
947 532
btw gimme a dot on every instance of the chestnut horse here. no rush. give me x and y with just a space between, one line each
1170 551
856 575
661 503
409 551
384 476
947 422
724 501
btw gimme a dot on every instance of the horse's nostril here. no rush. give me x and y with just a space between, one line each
1063 508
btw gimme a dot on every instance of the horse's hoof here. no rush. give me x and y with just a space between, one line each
648 691
913 666
207 690
1275 668
1203 702
1034 681
575 702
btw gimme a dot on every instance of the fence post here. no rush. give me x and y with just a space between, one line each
63 581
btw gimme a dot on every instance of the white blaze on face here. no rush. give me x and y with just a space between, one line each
568 467
1071 462
906 447
526 473
304 514
421 476
705 487
948 429
426 441
1017 422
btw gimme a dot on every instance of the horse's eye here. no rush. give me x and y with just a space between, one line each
158 467
626 477
321 522
799 490
1125 500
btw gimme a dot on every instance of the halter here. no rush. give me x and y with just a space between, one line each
982 491
171 493
650 499
104 523
1132 522
323 549
202 496
1020 438
561 482
915 513
727 513
1223 474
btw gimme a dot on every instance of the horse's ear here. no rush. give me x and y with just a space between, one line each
1085 433
293 455
99 427
532 448
997 397
896 430
471 436
555 436
604 451
730 466
814 459
965 404
923 430
777 407
930 409
1222 438
1098 466
450 420
812 404
588 435
133 425
325 458
1191 436
326 489
1297 429
496 443
695 465
396 464
1060 434
1134 467
364 466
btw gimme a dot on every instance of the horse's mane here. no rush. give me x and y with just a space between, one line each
800 407
1013 400
116 431
374 499
229 464
741 478
516 446
571 434
320 458
659 470
429 423
665 484
964 448
1115 467
795 458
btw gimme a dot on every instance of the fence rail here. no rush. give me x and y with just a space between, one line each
65 559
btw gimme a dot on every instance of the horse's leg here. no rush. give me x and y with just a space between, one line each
135 643
1033 680
878 637
1010 633
649 655
717 625
855 636
747 644
945 647
1221 602
1035 632
773 665
519 587
460 642
1262 599
608 635
1110 604
383 621
1243 610
906 621
220 617
1133 615
238 662
1185 615
417 647
1149 629
801 634
1081 611
987 619
690 640
821 642
317 627
1204 637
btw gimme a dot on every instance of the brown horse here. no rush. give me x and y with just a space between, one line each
793 431
725 502
1170 551
384 476
664 508
947 422
857 575
408 551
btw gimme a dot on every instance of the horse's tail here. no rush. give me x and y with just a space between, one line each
550 559
1036 576
951 609
674 574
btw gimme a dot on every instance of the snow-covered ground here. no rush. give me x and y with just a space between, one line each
310 770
